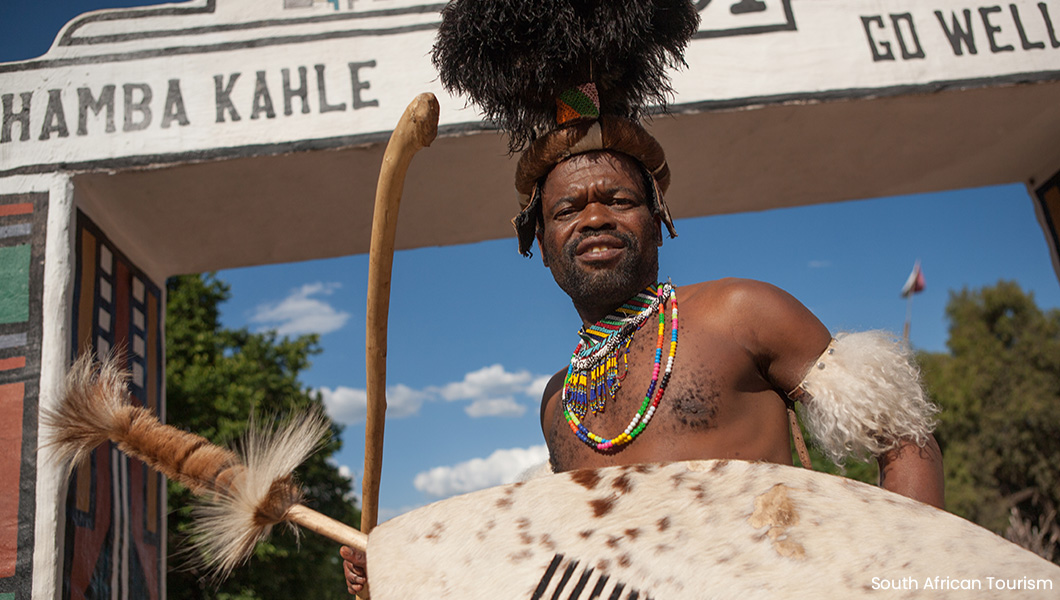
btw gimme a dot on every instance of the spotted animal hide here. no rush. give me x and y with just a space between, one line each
692 530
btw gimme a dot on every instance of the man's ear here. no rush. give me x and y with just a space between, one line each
658 231
541 247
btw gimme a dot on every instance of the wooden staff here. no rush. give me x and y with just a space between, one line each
416 129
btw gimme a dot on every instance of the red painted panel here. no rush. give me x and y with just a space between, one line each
24 208
11 396
15 362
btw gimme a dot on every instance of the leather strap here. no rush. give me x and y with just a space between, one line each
800 395
796 434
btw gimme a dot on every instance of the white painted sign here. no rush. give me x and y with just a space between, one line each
851 49
204 78
225 78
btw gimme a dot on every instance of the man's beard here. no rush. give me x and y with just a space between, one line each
607 286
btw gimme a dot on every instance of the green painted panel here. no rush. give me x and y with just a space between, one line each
14 286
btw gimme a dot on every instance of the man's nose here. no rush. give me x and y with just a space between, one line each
597 215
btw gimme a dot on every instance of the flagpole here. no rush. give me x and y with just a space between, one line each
908 318
913 284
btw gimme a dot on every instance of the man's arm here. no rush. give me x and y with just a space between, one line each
791 340
914 471
783 336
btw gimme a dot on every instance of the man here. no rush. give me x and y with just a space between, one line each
568 80
742 345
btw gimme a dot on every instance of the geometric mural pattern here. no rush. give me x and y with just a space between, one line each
115 504
23 218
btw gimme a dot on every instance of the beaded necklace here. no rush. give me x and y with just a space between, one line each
593 376
582 390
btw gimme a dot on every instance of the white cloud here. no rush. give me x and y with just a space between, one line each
495 407
344 404
300 312
403 401
350 405
491 381
492 391
501 467
489 392
819 264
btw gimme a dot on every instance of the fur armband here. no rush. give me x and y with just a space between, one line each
863 395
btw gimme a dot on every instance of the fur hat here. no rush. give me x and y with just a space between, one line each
526 64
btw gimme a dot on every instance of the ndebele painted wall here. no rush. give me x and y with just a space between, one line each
221 133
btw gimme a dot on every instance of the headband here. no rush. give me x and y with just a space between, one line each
579 136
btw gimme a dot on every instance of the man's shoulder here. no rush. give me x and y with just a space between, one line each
770 324
732 293
751 311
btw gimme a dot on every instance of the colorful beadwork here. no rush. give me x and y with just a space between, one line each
655 389
577 103
593 376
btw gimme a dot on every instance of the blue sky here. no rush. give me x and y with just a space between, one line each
475 329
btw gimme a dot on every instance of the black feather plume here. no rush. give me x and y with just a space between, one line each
514 57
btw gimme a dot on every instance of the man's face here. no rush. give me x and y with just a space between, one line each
599 236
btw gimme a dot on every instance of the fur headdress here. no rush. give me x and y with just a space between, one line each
525 62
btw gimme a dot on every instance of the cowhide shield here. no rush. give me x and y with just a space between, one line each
695 530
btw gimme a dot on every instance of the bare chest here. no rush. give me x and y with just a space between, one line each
701 399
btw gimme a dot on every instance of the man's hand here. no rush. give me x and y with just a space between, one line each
354 565
914 472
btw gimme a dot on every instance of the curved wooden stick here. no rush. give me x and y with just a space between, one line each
416 129
336 531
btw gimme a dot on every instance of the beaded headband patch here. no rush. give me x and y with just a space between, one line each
576 103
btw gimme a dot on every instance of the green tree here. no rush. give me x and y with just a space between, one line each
999 390
216 378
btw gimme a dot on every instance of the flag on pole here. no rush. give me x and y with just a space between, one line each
915 283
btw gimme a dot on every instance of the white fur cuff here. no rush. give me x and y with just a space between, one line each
863 397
